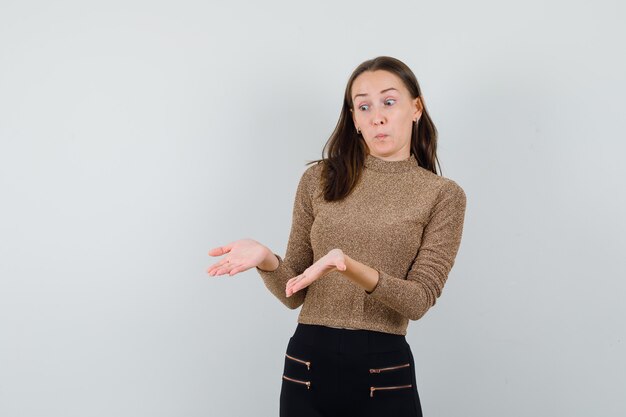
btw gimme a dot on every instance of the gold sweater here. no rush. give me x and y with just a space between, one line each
401 219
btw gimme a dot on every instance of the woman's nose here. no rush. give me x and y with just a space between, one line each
378 117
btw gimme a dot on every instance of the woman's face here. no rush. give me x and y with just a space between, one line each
384 112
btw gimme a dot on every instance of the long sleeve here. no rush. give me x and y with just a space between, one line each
299 254
441 239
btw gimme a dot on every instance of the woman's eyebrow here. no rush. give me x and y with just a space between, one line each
363 94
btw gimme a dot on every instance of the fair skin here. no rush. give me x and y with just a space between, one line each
381 105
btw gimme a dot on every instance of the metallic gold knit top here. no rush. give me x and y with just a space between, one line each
401 219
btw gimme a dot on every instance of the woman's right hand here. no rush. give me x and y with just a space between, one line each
241 255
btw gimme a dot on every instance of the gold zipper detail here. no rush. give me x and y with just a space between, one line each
308 364
377 371
307 383
372 389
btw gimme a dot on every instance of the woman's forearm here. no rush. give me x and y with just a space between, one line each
361 274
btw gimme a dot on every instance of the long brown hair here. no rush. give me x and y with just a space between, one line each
346 149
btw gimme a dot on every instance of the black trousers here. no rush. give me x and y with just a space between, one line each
332 372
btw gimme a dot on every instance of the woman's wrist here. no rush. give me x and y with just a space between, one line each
270 263
363 275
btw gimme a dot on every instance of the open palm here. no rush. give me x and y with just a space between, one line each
333 260
241 255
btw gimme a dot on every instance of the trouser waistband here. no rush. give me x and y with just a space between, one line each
348 341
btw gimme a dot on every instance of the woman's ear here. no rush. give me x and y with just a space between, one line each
419 108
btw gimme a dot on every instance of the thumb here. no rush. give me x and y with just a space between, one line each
220 250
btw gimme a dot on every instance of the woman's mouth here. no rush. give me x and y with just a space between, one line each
380 136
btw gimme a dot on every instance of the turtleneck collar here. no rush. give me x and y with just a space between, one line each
380 165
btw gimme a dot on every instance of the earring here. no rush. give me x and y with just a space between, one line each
358 130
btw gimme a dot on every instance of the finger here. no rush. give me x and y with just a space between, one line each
291 289
237 269
217 272
293 281
220 250
217 251
289 286
227 268
288 291
223 261
300 282
222 267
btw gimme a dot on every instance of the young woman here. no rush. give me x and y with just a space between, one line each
374 235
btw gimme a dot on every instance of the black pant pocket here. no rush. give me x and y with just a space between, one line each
391 383
298 364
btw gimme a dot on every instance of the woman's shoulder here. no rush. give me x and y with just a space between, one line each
438 182
313 171
311 176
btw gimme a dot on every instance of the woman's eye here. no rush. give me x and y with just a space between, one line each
364 107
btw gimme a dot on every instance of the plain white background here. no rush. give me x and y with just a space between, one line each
137 135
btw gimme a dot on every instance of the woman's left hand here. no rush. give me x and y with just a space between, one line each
333 260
